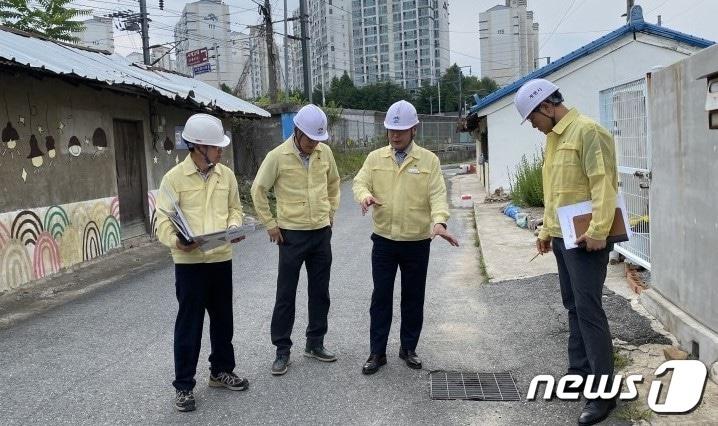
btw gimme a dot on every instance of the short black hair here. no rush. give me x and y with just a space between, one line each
190 145
555 98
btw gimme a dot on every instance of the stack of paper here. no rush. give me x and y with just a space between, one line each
207 241
575 219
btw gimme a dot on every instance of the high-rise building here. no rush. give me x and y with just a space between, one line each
508 41
205 24
295 55
259 69
405 41
97 34
329 26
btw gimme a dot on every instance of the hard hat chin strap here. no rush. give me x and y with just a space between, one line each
192 147
210 164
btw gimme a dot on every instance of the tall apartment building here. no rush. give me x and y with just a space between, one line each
508 41
97 34
206 24
259 70
406 41
295 55
330 40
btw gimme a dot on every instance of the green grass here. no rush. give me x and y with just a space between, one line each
527 182
245 196
349 162
633 412
477 243
620 361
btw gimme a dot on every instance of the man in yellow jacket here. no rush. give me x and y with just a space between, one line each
579 165
206 192
404 183
305 179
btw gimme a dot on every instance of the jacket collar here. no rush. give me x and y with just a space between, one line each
567 119
288 146
189 167
389 151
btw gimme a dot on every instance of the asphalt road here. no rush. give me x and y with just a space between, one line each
106 357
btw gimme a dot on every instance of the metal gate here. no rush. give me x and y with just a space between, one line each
623 113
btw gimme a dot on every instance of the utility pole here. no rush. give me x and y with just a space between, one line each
321 70
216 58
286 57
438 86
145 33
266 11
461 94
136 22
305 50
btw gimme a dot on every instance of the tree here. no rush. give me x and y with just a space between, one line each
343 92
51 18
428 97
380 96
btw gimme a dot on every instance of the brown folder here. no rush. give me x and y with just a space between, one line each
616 234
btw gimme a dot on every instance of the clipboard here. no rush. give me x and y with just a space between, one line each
576 218
616 234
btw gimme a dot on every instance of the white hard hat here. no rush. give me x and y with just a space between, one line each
401 116
312 121
531 94
204 129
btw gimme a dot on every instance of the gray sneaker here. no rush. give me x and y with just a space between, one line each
184 400
280 365
321 353
229 381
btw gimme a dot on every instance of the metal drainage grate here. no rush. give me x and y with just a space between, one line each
473 386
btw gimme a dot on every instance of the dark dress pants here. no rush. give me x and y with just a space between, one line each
312 248
200 287
581 275
412 258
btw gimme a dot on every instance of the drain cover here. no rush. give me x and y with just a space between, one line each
473 386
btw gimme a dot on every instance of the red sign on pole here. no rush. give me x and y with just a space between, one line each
196 57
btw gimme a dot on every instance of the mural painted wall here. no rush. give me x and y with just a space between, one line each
39 242
58 172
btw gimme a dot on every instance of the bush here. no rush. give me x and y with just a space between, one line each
527 183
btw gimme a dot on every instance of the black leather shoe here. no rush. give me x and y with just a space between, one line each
321 353
280 365
411 358
595 411
373 364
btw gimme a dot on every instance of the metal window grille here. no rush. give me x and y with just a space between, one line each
624 114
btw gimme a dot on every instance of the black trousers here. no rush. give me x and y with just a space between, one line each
200 287
412 257
314 249
582 274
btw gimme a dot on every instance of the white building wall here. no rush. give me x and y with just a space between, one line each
98 34
580 83
135 57
166 61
